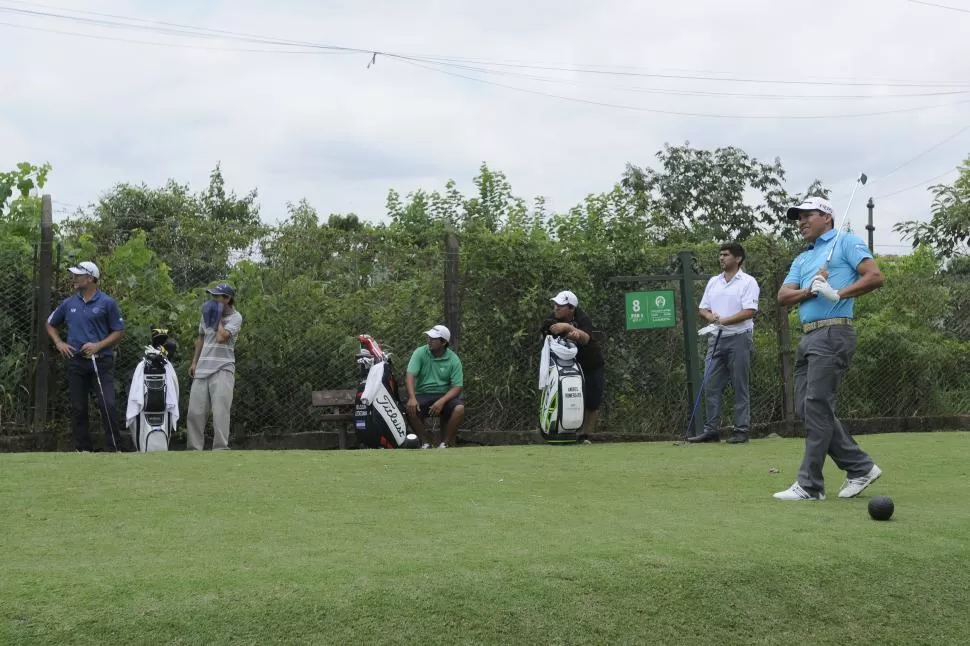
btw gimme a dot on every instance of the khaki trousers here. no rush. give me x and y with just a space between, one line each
212 393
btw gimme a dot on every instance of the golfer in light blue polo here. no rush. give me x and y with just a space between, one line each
825 298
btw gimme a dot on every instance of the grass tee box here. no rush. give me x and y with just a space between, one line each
601 544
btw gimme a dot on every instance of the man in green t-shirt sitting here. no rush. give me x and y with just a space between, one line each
434 381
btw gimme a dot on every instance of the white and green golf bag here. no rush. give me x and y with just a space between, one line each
561 407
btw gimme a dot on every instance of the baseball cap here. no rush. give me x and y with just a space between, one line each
565 298
439 332
222 289
86 268
810 204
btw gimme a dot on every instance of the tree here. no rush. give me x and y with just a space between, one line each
197 236
948 231
20 210
700 195
19 201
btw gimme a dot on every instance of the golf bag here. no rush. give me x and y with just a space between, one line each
379 420
561 406
153 408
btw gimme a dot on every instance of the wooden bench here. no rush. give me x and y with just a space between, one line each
338 399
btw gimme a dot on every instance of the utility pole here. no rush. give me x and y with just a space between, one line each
869 227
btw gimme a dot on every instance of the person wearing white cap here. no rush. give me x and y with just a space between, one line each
824 292
569 321
434 381
94 327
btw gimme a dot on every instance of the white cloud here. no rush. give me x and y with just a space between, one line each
326 128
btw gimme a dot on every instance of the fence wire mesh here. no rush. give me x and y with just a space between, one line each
303 309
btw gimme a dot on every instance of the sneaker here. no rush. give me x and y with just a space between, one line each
795 492
854 486
425 446
442 446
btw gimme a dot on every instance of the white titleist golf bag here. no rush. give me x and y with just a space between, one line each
561 407
153 399
379 420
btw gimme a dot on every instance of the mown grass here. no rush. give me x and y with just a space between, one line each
602 544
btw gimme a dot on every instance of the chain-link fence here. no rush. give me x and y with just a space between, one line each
17 331
305 298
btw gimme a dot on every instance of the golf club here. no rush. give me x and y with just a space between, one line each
700 391
104 404
845 219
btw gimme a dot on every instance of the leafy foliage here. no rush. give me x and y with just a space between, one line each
948 231
309 285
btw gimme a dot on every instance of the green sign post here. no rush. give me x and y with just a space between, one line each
647 310
686 276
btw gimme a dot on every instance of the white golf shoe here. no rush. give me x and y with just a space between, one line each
795 492
854 486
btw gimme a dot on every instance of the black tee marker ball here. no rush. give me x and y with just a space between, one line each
881 508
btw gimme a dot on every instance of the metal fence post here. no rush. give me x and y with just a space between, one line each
42 308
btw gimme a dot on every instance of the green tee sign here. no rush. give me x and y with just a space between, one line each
646 310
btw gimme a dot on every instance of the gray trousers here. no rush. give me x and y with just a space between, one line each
730 364
822 358
212 393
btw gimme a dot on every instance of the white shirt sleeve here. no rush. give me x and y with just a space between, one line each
750 294
706 298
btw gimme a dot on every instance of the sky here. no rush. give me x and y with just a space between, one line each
559 95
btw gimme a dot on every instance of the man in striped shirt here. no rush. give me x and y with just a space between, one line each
213 372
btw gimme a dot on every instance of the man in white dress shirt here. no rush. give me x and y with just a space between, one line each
730 302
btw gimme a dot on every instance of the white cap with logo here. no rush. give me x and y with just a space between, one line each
86 268
811 204
439 332
565 298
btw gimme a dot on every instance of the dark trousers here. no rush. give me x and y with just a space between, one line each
82 382
731 364
822 358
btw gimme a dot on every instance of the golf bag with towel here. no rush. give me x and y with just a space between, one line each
153 399
561 407
379 420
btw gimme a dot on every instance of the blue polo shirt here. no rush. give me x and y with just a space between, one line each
88 322
850 251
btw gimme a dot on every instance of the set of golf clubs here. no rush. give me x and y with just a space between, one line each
710 329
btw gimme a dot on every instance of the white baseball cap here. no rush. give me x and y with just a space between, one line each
565 298
811 204
439 332
86 268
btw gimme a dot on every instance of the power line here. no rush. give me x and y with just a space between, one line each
928 150
176 29
571 67
917 185
669 91
168 45
674 112
694 77
940 6
171 28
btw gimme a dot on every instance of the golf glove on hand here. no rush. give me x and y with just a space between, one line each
821 287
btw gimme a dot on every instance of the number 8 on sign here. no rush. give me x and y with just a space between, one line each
636 306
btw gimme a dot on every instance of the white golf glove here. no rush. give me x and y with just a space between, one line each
821 287
708 329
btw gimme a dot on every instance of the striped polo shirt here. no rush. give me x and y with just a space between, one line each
217 356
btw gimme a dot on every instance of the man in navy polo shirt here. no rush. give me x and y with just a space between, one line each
825 299
94 327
